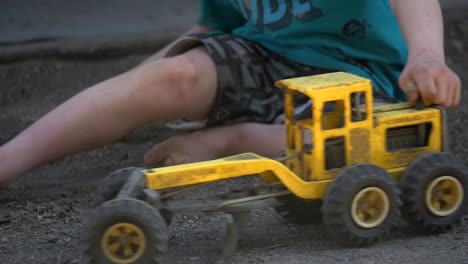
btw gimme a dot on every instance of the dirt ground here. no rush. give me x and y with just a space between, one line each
43 215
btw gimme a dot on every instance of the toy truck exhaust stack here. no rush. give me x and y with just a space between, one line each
351 164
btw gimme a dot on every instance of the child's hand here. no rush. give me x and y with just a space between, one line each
432 80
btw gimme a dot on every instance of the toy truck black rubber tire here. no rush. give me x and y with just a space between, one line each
344 194
419 184
125 220
111 185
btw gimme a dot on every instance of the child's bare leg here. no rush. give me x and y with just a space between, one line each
212 143
178 87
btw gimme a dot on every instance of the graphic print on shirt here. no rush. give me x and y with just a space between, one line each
355 28
277 14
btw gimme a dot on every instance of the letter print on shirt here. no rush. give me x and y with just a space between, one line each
277 14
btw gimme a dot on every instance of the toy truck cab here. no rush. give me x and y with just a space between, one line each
345 128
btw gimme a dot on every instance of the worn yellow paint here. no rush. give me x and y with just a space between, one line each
234 166
325 83
360 145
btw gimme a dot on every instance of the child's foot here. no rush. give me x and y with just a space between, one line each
214 143
194 147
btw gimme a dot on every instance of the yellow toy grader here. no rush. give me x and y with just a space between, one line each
353 168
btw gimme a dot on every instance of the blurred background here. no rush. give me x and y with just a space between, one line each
36 20
57 28
26 21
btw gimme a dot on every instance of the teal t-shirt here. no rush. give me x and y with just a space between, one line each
355 36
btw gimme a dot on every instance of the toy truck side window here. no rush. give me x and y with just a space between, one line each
335 153
408 137
359 106
333 113
298 112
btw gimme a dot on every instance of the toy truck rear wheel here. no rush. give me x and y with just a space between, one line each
126 231
435 191
361 204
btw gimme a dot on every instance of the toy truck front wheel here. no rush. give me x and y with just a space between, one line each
361 204
126 231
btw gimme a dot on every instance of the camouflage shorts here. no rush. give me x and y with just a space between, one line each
246 73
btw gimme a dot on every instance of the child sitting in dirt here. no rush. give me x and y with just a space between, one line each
223 82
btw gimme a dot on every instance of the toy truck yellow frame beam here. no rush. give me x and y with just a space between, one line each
355 131
230 167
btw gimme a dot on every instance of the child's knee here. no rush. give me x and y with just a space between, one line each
169 78
179 76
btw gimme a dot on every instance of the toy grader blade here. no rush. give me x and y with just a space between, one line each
349 164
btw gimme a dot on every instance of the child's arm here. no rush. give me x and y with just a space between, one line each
426 73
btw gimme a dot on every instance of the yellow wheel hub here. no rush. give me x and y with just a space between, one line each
370 207
444 195
123 243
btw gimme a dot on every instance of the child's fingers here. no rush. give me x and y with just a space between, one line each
176 159
410 90
434 82
456 99
457 90
426 86
444 94
170 152
451 94
449 86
